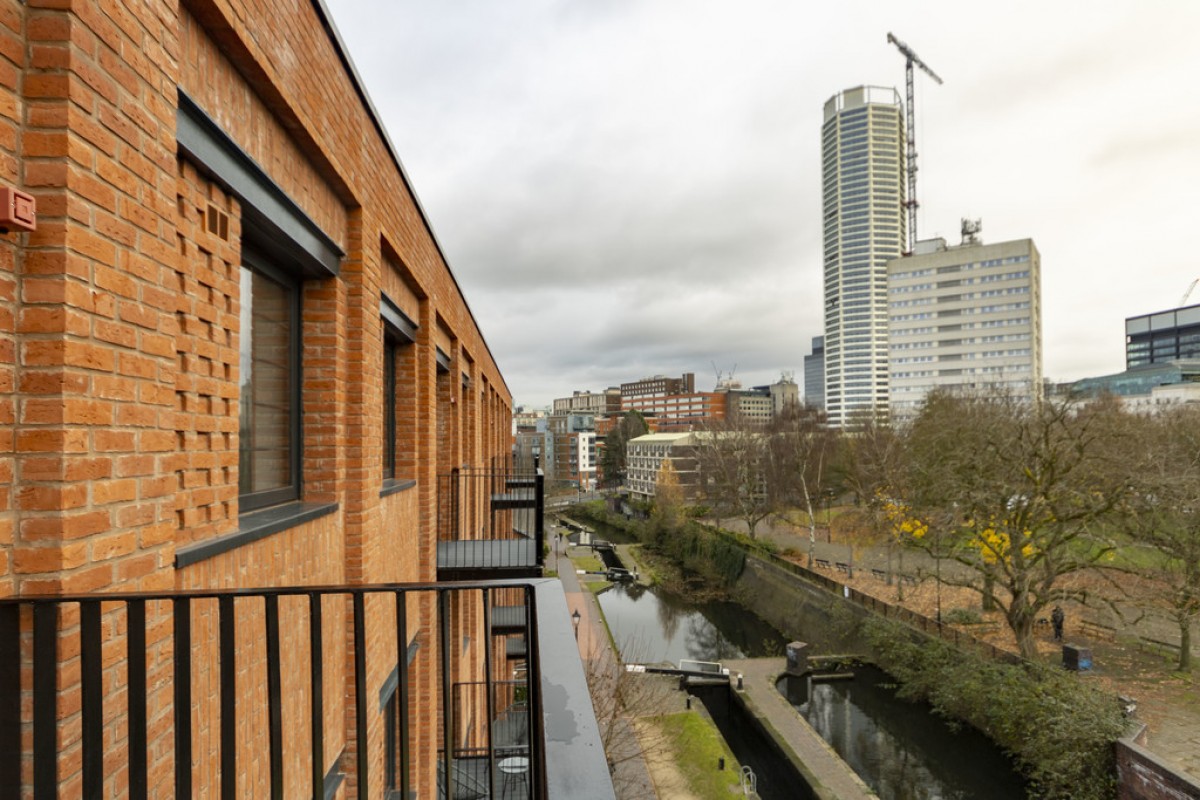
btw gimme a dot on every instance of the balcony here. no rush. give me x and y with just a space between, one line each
280 688
490 523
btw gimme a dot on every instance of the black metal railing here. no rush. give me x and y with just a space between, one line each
248 671
491 518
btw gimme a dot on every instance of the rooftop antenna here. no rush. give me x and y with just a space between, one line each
971 229
911 58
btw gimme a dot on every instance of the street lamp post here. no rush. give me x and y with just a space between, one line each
575 617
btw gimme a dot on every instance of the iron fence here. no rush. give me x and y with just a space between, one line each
260 659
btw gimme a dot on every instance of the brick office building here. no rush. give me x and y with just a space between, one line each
232 357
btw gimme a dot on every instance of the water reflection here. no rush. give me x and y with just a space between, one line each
900 749
651 626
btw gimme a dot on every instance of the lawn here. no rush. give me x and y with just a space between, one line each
693 745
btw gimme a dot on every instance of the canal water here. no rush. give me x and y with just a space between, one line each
900 749
652 627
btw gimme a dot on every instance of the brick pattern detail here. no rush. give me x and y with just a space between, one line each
206 390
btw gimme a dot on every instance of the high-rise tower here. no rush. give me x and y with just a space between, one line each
863 174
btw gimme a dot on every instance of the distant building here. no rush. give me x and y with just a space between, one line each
597 403
814 374
863 177
1146 387
762 404
752 407
964 317
644 457
679 412
1162 336
658 386
527 419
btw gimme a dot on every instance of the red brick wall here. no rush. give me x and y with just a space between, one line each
119 337
12 111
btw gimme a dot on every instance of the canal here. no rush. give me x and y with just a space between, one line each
900 749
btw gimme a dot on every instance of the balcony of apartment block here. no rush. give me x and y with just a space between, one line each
267 693
490 522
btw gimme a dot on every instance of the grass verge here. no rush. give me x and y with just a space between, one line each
693 745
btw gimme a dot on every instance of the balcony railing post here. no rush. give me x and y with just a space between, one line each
10 698
443 605
487 671
45 700
92 700
135 639
360 693
538 521
317 684
274 696
533 677
227 627
402 686
182 618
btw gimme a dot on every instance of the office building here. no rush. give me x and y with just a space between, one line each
644 457
863 177
1163 336
814 374
967 317
595 403
658 386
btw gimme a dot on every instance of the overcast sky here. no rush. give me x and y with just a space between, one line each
627 188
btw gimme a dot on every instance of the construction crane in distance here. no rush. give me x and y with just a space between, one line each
911 58
1188 293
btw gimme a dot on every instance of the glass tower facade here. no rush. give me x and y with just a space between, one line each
863 179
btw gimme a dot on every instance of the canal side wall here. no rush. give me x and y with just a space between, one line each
790 603
1145 776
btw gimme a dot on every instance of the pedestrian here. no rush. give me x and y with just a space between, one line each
1056 619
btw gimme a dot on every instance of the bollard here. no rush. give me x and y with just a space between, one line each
689 702
721 763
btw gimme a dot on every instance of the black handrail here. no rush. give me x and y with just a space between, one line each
38 626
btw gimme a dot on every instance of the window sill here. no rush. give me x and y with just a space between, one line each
393 486
252 527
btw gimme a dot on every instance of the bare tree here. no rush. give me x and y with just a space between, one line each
618 697
802 446
1024 491
1164 513
736 465
612 455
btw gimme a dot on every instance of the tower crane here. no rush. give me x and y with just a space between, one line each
911 58
1188 293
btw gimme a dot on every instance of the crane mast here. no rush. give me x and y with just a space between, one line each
910 203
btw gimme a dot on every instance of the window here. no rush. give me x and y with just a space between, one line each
389 407
399 332
269 410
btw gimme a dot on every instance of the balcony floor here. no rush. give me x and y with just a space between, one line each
493 557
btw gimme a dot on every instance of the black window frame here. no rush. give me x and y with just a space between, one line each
254 261
391 351
399 331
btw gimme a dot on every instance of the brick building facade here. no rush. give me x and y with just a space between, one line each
231 355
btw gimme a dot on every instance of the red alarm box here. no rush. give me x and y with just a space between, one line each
18 211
